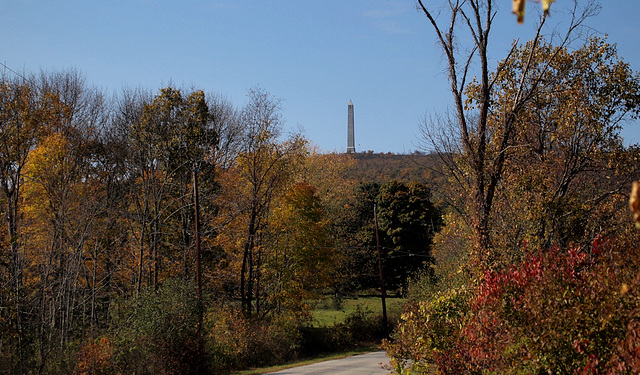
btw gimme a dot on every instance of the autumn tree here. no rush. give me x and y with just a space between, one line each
300 261
168 138
480 154
48 122
107 253
26 116
332 177
331 174
567 165
87 107
192 149
62 203
556 201
58 218
20 127
263 167
86 119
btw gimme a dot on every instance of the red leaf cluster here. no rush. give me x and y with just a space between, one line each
557 311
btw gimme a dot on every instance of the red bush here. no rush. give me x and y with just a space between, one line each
555 312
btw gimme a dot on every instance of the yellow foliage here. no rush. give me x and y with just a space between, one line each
546 4
634 202
55 202
519 8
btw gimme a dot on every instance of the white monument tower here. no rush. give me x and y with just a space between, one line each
351 148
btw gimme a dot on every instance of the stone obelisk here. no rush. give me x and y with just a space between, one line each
351 148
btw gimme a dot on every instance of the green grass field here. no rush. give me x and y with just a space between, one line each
325 312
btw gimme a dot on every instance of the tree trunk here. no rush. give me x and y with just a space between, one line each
247 265
140 265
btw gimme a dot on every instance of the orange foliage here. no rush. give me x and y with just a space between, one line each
95 357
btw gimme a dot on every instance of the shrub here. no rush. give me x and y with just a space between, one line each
95 357
234 341
157 332
426 330
555 312
227 337
363 327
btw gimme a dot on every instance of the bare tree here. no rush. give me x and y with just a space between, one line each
225 120
476 157
86 105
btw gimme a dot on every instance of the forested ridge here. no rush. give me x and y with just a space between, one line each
414 167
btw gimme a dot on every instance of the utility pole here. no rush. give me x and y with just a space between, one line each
382 287
196 204
197 225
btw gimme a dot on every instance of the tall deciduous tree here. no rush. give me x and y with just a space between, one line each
331 175
107 253
566 164
59 212
87 107
483 153
300 262
264 167
86 119
225 121
169 138
26 116
48 122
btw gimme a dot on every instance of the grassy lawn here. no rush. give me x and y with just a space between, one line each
326 314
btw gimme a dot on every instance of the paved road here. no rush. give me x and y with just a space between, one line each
363 364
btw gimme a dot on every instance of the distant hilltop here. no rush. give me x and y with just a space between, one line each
383 167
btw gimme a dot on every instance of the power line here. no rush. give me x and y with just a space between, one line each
6 67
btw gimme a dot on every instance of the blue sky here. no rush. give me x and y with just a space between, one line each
314 55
